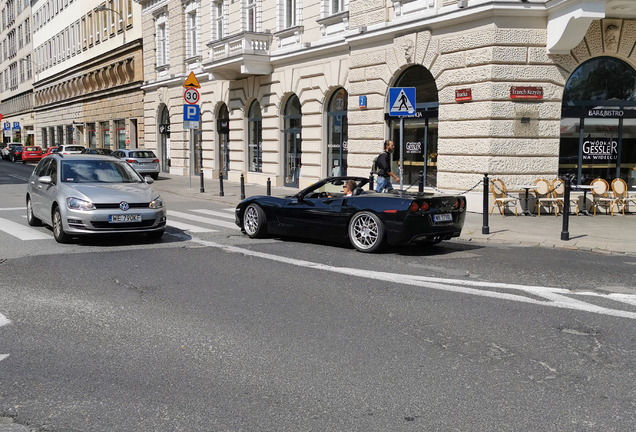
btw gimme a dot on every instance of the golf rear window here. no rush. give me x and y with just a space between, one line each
142 154
74 148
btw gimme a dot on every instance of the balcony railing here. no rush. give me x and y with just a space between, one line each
243 54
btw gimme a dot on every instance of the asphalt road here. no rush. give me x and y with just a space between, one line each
212 331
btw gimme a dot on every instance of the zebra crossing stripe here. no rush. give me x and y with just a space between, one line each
187 227
215 213
21 231
181 215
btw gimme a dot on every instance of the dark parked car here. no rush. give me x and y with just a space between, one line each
12 152
367 219
98 150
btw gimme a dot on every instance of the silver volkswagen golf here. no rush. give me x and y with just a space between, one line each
92 194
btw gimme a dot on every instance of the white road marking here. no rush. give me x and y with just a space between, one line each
22 232
18 177
203 219
13 208
214 213
187 227
4 321
554 297
233 209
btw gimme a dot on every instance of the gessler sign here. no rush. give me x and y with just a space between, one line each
600 149
526 92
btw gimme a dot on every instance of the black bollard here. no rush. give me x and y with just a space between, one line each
269 187
421 185
371 181
565 234
221 193
485 229
242 187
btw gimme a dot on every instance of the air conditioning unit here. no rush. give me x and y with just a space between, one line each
462 4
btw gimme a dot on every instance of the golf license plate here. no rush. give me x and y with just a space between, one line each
444 217
124 218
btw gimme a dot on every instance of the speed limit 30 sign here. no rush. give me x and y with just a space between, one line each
191 96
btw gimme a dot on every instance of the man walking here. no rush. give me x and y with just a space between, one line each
384 168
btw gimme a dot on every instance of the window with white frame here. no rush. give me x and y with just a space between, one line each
218 19
104 24
161 24
129 16
250 19
84 34
111 6
192 29
289 13
338 6
20 38
89 28
98 27
27 30
28 66
13 70
21 70
120 15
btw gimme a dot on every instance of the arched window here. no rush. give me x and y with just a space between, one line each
223 136
337 134
598 122
255 137
293 141
164 138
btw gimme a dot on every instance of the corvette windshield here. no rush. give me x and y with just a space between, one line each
98 171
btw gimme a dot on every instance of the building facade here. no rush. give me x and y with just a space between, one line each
89 75
296 90
16 72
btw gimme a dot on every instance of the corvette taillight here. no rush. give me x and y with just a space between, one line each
425 207
414 207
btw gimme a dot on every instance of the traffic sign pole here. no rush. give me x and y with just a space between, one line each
402 153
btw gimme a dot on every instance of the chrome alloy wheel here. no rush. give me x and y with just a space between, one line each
366 232
250 221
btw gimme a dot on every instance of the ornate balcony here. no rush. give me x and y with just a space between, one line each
240 55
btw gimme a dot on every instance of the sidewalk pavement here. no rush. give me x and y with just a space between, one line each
602 233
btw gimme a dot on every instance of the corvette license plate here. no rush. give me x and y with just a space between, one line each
445 217
124 218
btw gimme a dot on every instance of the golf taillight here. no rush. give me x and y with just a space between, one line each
131 161
155 161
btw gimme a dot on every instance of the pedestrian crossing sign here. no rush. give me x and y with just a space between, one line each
402 101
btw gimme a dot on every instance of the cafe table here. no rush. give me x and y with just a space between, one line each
584 188
526 212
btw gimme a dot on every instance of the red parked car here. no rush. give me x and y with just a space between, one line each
49 151
31 154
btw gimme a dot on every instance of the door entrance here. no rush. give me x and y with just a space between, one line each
164 139
293 152
223 128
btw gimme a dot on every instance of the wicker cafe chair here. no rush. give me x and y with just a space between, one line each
545 197
498 189
621 198
558 188
600 189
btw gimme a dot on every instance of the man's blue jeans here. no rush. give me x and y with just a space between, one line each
383 183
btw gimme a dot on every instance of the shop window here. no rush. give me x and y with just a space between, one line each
255 137
105 134
92 135
293 141
120 133
337 134
598 122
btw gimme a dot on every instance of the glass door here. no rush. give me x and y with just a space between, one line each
293 153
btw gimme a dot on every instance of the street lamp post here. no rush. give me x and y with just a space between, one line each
102 8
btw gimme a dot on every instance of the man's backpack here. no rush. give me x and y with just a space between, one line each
374 165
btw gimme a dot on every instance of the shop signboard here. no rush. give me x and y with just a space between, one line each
463 95
413 147
526 92
600 149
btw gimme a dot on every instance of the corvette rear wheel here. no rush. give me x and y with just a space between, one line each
366 232
254 221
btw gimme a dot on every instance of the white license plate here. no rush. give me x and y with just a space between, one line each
445 217
124 218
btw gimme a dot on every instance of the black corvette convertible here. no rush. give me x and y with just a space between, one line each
367 219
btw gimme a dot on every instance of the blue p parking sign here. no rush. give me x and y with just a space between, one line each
191 113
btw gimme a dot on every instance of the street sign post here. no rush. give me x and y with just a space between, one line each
402 104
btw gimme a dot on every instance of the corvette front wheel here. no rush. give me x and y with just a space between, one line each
366 232
254 221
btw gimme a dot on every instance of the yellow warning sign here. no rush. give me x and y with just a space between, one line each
191 82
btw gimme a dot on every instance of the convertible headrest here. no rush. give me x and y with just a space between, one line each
357 191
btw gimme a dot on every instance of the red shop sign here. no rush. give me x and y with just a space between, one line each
463 95
526 92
